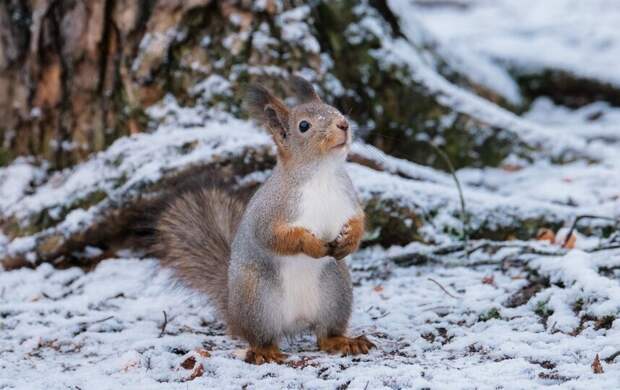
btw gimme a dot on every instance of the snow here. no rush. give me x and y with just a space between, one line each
64 328
532 34
449 320
123 169
16 180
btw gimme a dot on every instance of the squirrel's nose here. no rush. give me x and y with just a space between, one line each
343 125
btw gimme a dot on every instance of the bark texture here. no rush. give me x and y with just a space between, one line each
79 74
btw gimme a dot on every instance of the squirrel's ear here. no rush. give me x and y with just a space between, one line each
269 110
304 91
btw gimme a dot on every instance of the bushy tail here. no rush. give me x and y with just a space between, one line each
193 238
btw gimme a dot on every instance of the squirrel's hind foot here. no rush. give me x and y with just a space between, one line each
266 354
346 345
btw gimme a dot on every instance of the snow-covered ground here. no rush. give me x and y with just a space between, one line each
511 315
103 330
580 37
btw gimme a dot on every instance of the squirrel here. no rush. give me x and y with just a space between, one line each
273 268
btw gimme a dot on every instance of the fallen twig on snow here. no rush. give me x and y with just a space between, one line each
163 326
579 218
610 359
443 288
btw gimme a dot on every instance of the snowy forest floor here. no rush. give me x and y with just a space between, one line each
105 329
511 315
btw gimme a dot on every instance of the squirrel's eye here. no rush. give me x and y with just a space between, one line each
304 126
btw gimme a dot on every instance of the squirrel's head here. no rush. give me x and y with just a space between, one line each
309 131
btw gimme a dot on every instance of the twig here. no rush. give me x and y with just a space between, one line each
464 219
443 288
101 320
603 248
195 331
612 357
163 326
579 218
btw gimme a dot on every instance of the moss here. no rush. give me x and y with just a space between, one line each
492 314
398 110
6 156
542 310
392 224
605 322
90 200
46 218
578 305
13 229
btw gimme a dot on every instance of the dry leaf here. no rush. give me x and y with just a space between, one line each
190 360
378 288
545 234
198 371
570 243
597 368
490 279
203 352
189 363
130 365
511 167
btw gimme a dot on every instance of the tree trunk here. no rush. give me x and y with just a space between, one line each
79 74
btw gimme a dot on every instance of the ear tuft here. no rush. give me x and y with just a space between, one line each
256 99
268 110
303 90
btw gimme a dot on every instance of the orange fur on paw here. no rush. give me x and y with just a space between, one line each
267 354
346 345
348 239
291 240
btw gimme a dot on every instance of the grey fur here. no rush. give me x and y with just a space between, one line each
304 91
242 275
193 236
277 198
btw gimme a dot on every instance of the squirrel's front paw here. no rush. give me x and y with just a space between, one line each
314 247
347 242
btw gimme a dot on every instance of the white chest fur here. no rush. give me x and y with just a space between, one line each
325 208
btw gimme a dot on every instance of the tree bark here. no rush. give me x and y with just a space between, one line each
77 75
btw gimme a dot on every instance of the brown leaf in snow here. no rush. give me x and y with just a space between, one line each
597 368
198 371
189 363
545 234
512 167
203 352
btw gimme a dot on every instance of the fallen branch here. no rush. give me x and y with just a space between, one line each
610 359
101 320
603 248
579 218
443 288
163 326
